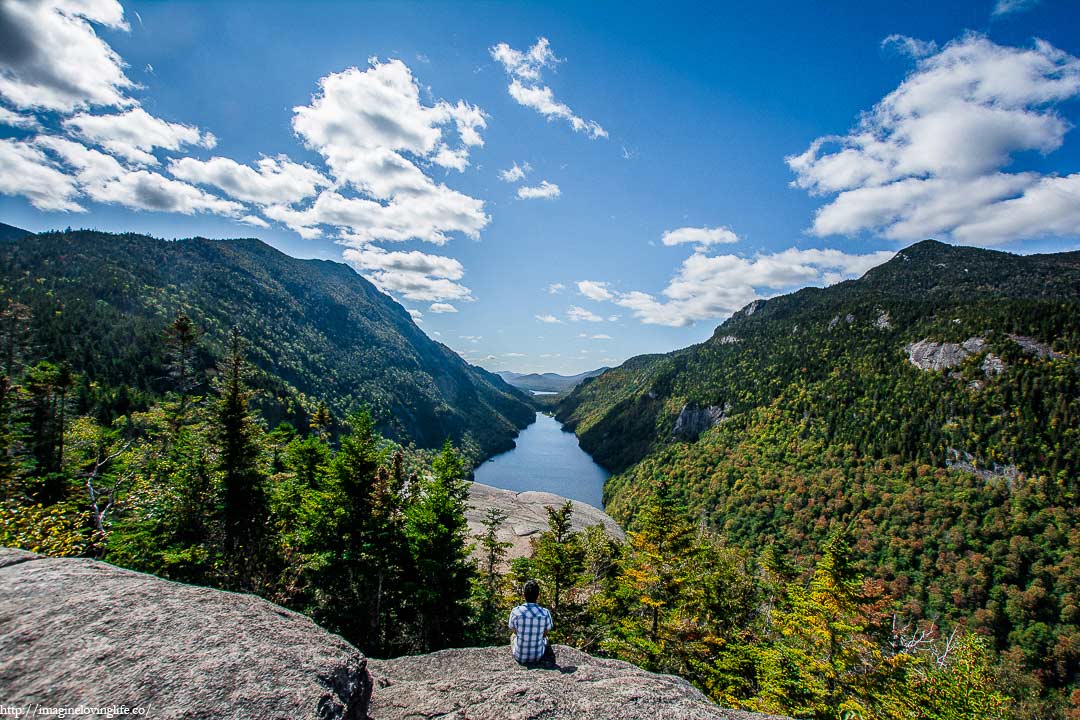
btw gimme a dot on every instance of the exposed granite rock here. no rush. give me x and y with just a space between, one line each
486 684
884 320
694 420
77 632
527 516
929 355
1033 347
965 461
993 365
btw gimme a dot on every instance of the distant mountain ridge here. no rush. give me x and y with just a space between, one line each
548 382
318 332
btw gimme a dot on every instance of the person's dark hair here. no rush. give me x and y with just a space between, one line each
531 591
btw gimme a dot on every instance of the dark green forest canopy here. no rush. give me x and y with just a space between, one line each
959 483
317 331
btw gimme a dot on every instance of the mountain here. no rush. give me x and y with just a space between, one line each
931 408
316 330
10 232
547 382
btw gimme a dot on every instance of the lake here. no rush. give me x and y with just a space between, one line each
547 458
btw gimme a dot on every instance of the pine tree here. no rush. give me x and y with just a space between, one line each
244 502
487 586
437 534
559 559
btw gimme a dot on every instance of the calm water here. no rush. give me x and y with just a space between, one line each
549 459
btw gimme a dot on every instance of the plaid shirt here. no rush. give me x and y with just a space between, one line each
529 621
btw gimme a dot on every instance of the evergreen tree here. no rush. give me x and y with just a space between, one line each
487 586
559 559
243 495
437 534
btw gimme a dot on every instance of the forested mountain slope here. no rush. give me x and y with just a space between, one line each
932 407
317 332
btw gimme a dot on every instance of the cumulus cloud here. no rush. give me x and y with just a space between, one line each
702 236
713 287
442 308
525 70
101 178
133 135
928 160
366 123
515 173
594 290
13 119
600 336
544 191
273 181
52 59
554 288
550 319
26 171
580 314
414 275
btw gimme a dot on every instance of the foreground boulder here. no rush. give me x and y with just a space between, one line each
486 684
526 515
77 632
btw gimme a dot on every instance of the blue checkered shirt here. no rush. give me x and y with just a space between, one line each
529 621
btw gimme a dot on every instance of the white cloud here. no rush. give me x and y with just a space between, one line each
544 191
254 220
600 336
912 47
26 171
102 179
442 308
13 119
514 355
525 69
702 236
713 287
366 122
53 60
515 173
580 314
555 288
415 314
277 181
372 129
413 275
1006 7
928 159
134 134
551 319
525 65
594 290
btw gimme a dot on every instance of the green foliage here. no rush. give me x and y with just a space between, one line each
318 333
959 486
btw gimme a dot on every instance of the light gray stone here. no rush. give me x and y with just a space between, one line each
78 632
527 515
487 684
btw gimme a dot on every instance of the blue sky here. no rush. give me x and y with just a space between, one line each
675 161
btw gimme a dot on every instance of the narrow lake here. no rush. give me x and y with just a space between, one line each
547 458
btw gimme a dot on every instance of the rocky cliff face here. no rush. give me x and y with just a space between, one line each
694 420
82 633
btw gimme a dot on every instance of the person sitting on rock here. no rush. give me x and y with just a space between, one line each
530 624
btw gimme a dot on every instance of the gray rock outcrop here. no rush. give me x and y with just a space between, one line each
527 516
930 355
486 684
77 632
694 420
